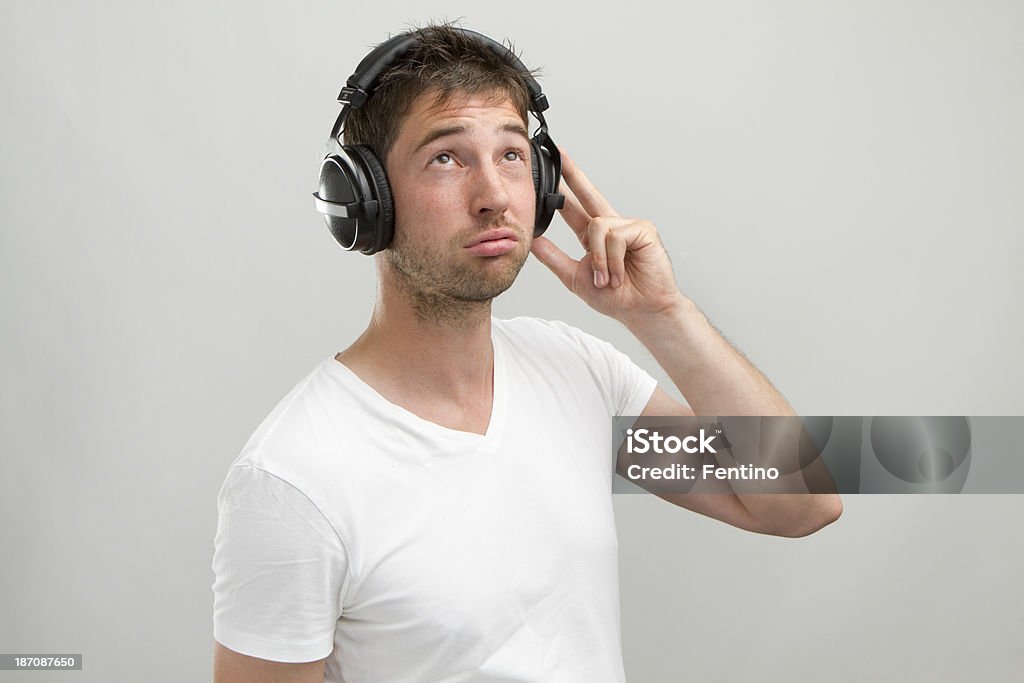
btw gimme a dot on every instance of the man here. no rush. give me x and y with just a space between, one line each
434 502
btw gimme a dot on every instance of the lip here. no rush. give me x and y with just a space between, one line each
497 234
493 242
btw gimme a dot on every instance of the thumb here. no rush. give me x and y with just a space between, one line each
557 261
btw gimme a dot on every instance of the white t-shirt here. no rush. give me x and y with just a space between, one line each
349 528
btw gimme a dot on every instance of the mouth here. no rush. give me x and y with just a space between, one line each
493 242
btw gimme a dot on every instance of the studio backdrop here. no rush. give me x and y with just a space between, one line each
838 186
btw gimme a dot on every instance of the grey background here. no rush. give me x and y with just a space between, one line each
838 184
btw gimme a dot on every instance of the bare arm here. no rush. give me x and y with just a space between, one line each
791 515
233 667
626 274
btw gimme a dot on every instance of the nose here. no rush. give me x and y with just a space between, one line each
491 195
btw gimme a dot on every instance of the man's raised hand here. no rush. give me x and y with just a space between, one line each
625 273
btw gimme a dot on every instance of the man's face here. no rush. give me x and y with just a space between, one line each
464 199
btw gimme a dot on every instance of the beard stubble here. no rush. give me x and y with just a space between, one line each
443 285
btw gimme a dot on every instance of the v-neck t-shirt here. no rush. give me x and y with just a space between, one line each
401 550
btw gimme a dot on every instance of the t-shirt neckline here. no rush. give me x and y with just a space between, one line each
495 424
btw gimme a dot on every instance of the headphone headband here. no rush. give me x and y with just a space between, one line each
363 81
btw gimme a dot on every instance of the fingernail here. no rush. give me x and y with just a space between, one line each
616 281
598 278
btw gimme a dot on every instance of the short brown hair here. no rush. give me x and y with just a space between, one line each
445 61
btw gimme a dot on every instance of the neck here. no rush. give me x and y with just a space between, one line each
430 344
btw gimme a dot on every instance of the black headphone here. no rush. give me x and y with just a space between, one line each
354 196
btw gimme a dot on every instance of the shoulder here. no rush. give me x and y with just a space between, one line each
566 356
526 331
559 349
303 424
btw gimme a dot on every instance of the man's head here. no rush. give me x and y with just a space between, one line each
448 122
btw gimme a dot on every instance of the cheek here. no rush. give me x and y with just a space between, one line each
529 191
430 202
527 199
421 200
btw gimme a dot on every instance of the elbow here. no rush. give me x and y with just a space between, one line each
826 509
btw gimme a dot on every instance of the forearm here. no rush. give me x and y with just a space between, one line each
717 381
713 376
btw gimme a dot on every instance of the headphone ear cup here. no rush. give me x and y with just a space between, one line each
343 182
545 182
535 154
384 228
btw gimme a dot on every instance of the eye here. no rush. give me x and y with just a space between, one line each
443 159
513 155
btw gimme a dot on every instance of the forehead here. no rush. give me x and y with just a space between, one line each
428 112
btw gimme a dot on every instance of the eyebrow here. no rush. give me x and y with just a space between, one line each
459 129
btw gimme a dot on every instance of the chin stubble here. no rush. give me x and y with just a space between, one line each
443 292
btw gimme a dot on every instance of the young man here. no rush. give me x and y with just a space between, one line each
434 502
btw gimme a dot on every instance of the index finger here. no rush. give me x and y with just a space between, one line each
593 202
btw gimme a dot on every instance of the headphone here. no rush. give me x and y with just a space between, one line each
354 196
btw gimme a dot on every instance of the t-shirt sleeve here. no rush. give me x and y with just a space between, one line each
280 570
627 386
